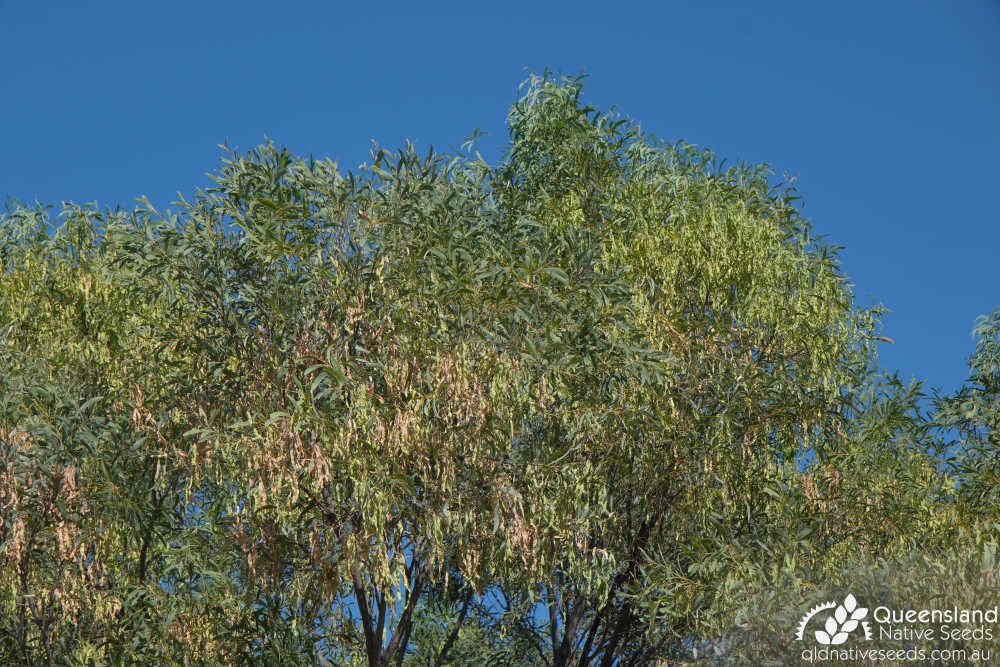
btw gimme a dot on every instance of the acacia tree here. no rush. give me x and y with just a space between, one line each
554 411
765 350
332 376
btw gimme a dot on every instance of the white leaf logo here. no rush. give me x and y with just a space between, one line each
845 619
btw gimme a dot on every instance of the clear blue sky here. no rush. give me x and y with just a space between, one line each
886 112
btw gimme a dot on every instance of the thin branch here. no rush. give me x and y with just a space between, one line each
454 629
406 620
372 644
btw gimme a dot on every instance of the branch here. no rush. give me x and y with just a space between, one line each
573 617
372 644
380 620
454 630
553 628
406 620
620 628
623 577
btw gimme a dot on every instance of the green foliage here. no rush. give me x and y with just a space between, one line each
923 577
587 406
972 415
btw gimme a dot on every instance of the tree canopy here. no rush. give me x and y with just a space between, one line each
592 405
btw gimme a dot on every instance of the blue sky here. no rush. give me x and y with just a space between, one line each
887 113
